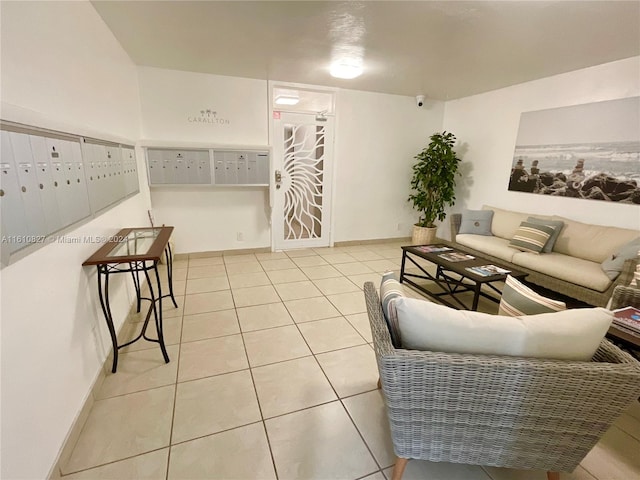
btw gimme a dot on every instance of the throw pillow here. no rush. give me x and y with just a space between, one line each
477 222
531 237
390 291
517 299
558 224
567 335
612 266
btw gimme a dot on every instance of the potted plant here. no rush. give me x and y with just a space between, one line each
433 185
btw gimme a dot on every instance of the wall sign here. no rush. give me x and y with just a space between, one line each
208 116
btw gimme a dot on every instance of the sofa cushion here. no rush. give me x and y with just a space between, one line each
612 266
518 299
531 237
591 242
476 222
566 335
505 222
571 269
390 291
558 224
495 246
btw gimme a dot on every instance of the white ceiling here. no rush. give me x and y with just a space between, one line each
443 49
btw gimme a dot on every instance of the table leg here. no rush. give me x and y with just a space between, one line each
476 296
169 256
404 258
157 309
106 310
136 284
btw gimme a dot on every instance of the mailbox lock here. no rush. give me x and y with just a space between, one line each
24 189
41 187
68 182
1 193
55 184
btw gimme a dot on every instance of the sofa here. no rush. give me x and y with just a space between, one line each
573 268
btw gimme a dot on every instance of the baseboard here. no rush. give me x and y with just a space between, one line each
219 253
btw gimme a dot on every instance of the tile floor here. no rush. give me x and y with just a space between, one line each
272 375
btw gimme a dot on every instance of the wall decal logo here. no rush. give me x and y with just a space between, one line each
208 116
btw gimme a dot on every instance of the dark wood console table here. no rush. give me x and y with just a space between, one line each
135 251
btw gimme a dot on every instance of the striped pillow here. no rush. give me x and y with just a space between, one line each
531 237
520 300
390 291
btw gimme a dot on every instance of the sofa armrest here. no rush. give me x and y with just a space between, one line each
624 296
455 219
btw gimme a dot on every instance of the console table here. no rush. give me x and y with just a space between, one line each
135 251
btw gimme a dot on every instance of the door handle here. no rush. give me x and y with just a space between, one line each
278 178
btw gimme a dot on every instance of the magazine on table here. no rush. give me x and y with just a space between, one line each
628 317
433 248
488 270
456 256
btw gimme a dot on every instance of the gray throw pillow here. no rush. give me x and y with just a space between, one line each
612 266
558 224
477 222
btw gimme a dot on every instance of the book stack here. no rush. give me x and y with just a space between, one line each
433 248
488 270
628 317
456 256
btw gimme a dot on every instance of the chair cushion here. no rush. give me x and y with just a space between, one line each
558 224
518 299
390 291
477 222
612 266
531 237
567 335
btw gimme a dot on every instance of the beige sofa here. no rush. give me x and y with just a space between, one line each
573 268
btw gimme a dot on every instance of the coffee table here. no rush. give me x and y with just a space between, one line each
452 278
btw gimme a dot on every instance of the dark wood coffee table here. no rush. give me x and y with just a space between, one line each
452 278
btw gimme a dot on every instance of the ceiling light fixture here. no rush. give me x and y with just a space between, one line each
346 69
287 100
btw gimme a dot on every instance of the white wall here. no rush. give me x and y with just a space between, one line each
488 124
207 218
377 137
61 69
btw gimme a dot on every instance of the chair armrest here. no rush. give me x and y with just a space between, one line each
624 296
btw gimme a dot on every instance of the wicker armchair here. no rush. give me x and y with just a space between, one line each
497 410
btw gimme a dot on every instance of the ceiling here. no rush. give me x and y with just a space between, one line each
443 49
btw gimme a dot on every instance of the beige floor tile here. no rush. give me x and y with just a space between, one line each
208 302
150 466
203 262
348 303
330 334
392 253
244 280
243 258
274 345
629 424
292 385
360 321
365 255
177 274
211 357
207 271
171 329
311 261
141 370
328 433
355 268
209 325
286 276
297 290
330 286
375 476
511 474
124 426
360 279
241 453
244 267
381 266
369 413
634 410
350 370
334 258
168 309
420 469
271 256
302 252
213 404
280 264
614 456
246 297
260 317
309 309
207 284
322 271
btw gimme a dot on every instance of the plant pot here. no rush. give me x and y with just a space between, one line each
423 235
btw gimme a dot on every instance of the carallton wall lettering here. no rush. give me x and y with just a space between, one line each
208 116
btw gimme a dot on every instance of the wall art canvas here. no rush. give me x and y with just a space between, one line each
589 151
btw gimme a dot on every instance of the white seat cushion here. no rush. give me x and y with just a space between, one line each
566 335
571 269
495 246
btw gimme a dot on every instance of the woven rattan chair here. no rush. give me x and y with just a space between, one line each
496 410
